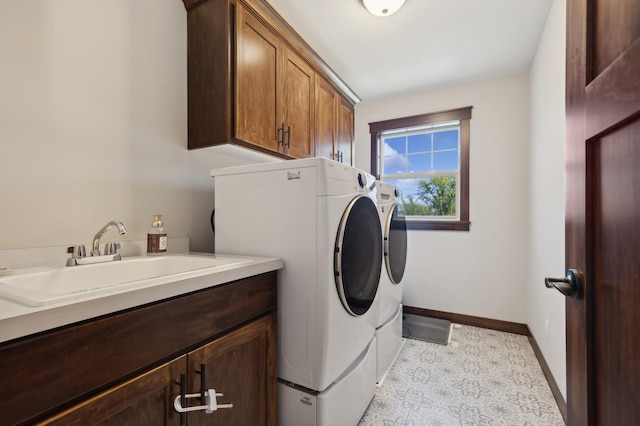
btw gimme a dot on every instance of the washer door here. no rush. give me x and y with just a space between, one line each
358 256
395 244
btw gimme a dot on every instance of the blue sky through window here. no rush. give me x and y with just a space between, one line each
418 155
421 152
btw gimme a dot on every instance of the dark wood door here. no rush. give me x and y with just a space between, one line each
143 400
241 366
602 211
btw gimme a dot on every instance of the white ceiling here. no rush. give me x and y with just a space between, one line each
426 44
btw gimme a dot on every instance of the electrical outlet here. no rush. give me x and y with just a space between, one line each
546 330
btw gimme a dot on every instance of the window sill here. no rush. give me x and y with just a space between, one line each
434 225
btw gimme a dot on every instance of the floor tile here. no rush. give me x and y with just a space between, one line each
481 378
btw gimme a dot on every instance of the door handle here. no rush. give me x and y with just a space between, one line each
569 286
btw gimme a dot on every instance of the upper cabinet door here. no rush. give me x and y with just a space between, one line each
258 53
334 124
344 137
325 125
298 105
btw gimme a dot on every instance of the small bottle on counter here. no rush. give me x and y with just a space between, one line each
157 237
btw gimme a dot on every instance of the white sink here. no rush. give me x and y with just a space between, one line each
44 286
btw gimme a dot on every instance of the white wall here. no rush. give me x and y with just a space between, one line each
93 123
546 193
480 272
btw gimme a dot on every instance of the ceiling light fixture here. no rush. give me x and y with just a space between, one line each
383 7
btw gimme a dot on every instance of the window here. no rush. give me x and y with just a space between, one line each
427 157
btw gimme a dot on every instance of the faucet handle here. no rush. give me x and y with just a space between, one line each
77 251
111 248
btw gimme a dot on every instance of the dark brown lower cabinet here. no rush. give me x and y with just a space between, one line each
236 365
146 400
127 368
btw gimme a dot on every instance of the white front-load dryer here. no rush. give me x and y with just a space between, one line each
320 217
389 323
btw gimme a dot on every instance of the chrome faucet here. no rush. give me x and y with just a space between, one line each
96 239
78 252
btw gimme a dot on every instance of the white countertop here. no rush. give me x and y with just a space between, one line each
17 320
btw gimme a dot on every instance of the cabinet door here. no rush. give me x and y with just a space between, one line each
258 52
298 105
325 125
242 366
144 400
344 136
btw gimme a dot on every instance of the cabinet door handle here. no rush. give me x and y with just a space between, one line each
288 132
280 135
182 397
210 405
203 380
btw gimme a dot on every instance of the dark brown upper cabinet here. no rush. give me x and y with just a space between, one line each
252 81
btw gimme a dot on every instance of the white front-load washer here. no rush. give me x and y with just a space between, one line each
320 217
394 232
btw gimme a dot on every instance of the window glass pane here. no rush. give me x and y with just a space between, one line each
445 140
419 143
395 164
419 162
397 145
445 160
428 197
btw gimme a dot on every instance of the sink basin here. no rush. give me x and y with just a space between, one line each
44 286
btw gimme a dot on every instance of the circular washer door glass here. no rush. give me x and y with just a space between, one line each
395 244
358 255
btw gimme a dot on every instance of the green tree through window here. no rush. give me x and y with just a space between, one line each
439 195
434 197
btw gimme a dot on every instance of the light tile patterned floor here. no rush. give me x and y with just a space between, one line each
482 378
